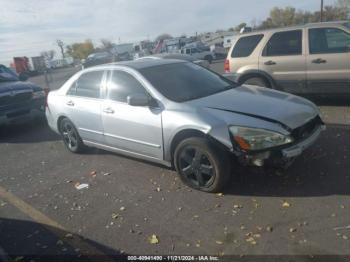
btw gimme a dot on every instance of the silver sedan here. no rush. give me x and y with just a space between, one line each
180 114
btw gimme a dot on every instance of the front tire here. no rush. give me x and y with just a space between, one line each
202 166
71 137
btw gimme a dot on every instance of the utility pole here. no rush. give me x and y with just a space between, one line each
321 13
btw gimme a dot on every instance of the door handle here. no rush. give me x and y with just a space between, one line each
70 103
319 61
108 110
270 62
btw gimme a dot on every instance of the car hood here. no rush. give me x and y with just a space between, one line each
18 86
267 104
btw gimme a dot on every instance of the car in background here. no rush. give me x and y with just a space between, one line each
188 58
308 59
98 59
19 101
199 53
180 114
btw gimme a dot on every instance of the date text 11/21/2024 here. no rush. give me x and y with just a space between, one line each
173 258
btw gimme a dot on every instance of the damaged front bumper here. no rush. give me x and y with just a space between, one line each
280 157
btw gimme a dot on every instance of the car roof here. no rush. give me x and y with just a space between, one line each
171 56
320 24
140 63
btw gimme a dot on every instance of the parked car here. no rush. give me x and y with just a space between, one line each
98 59
309 59
19 101
198 53
180 114
188 58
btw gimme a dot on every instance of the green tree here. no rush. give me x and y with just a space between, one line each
80 50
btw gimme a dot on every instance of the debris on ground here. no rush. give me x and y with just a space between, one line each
219 242
122 209
292 229
153 239
59 242
339 228
285 204
81 186
219 194
115 215
269 229
93 173
107 174
69 235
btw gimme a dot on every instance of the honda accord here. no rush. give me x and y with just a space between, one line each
183 115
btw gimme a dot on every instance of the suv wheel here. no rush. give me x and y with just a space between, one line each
256 81
71 136
201 166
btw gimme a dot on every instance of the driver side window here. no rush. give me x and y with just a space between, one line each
123 84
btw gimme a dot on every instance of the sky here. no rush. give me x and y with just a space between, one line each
31 26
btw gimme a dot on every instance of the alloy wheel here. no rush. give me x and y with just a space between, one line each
195 166
70 136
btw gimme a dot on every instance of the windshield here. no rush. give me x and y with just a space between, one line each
347 25
7 74
185 81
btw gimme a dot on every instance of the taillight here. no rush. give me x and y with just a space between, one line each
227 66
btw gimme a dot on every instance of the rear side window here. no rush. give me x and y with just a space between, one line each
122 85
328 40
88 85
284 44
246 45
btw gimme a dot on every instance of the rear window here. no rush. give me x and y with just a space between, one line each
284 44
246 45
88 85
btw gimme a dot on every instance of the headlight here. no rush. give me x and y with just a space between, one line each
257 139
38 94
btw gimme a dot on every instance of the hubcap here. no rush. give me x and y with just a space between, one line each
196 167
69 135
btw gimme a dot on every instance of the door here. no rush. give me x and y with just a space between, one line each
136 129
283 58
328 62
83 106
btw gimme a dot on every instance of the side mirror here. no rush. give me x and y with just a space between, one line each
138 100
23 77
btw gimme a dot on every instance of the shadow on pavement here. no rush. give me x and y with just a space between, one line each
321 170
37 242
34 132
330 101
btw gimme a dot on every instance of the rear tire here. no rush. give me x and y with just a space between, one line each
71 137
257 81
202 166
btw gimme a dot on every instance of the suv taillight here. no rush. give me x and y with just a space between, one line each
227 66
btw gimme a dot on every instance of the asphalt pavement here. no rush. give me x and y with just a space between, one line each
302 211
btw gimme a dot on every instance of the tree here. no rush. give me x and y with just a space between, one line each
240 26
163 37
49 55
344 4
80 50
61 46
